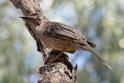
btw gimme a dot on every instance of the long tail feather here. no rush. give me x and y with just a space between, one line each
99 57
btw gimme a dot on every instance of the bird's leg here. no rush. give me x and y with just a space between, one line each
60 53
53 59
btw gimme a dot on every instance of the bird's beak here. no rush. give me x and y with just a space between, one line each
28 17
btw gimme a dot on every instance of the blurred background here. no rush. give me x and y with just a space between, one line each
102 21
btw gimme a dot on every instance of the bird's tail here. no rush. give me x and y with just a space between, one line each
89 48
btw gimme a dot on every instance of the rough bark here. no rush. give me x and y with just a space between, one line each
58 71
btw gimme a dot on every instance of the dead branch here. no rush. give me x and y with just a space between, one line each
58 71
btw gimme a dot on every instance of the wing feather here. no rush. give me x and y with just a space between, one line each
62 31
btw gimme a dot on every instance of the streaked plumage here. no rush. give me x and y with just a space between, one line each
64 38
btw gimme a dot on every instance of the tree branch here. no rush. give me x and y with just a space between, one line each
58 71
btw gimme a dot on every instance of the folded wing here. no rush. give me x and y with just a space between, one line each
62 31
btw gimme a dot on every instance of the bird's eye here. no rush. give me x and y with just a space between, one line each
51 30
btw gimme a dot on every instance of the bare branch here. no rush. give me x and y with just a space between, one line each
58 71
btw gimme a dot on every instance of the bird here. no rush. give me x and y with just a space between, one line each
64 38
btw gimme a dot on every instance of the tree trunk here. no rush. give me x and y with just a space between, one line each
57 71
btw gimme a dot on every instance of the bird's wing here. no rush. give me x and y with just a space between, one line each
63 31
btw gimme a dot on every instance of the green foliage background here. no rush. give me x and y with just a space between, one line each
102 21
